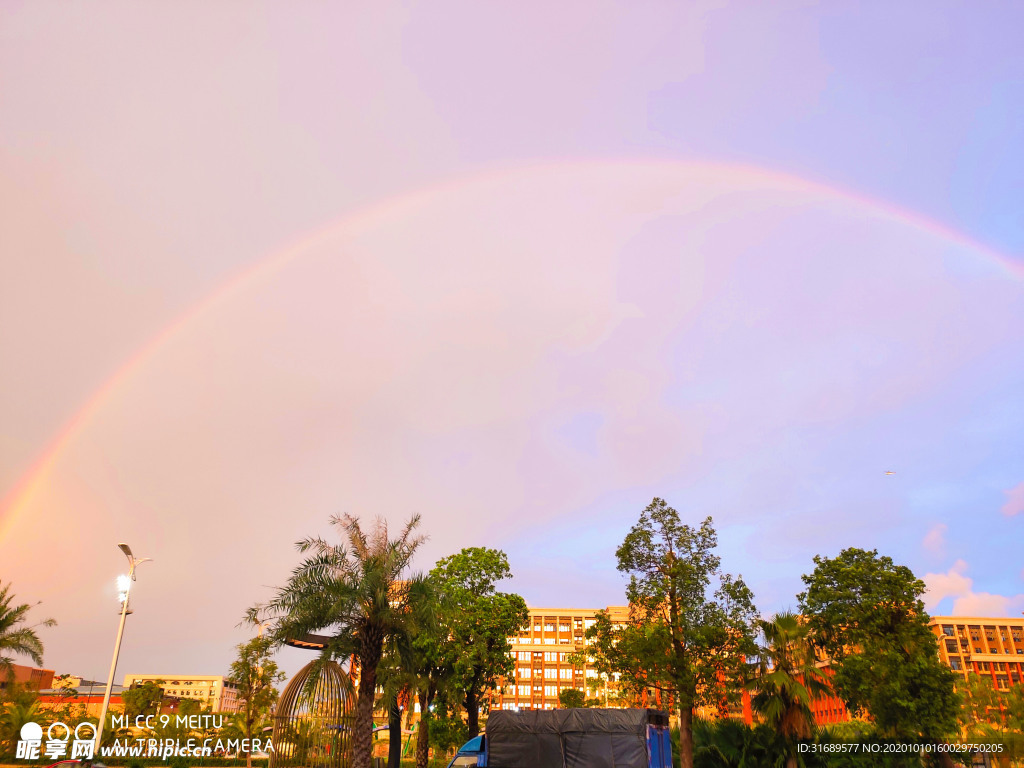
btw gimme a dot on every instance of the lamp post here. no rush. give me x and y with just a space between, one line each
124 585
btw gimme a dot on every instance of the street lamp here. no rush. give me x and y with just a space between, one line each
124 585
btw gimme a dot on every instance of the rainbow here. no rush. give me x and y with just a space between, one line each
20 497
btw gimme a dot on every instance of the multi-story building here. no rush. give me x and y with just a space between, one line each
29 677
541 654
213 691
992 648
828 709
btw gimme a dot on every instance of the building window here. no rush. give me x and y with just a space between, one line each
954 663
947 630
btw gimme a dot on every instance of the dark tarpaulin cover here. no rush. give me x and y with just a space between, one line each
570 738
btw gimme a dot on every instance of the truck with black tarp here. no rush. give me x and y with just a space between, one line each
571 738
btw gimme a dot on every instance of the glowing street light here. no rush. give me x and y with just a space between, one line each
124 586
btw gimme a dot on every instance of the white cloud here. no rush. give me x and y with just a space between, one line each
1014 501
966 602
935 540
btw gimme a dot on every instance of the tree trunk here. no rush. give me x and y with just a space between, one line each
423 732
394 733
472 713
362 728
791 761
685 737
945 759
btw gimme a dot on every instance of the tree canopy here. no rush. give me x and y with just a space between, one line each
480 619
254 672
866 615
690 625
142 699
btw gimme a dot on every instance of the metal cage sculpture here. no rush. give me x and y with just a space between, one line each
313 725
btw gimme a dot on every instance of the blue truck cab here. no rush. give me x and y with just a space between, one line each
472 753
570 738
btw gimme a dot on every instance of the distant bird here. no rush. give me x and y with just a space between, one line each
889 472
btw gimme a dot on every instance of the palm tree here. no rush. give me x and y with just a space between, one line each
357 592
786 679
13 716
730 743
15 638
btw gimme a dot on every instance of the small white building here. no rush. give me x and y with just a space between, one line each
213 691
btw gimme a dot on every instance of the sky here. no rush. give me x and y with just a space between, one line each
515 267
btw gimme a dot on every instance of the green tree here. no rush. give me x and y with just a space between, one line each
395 683
571 698
786 678
432 655
447 730
691 624
980 704
17 638
142 699
254 674
479 620
1014 704
866 614
13 715
415 664
361 593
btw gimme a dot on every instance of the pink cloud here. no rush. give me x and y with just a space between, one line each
953 583
1014 501
983 604
966 602
935 540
